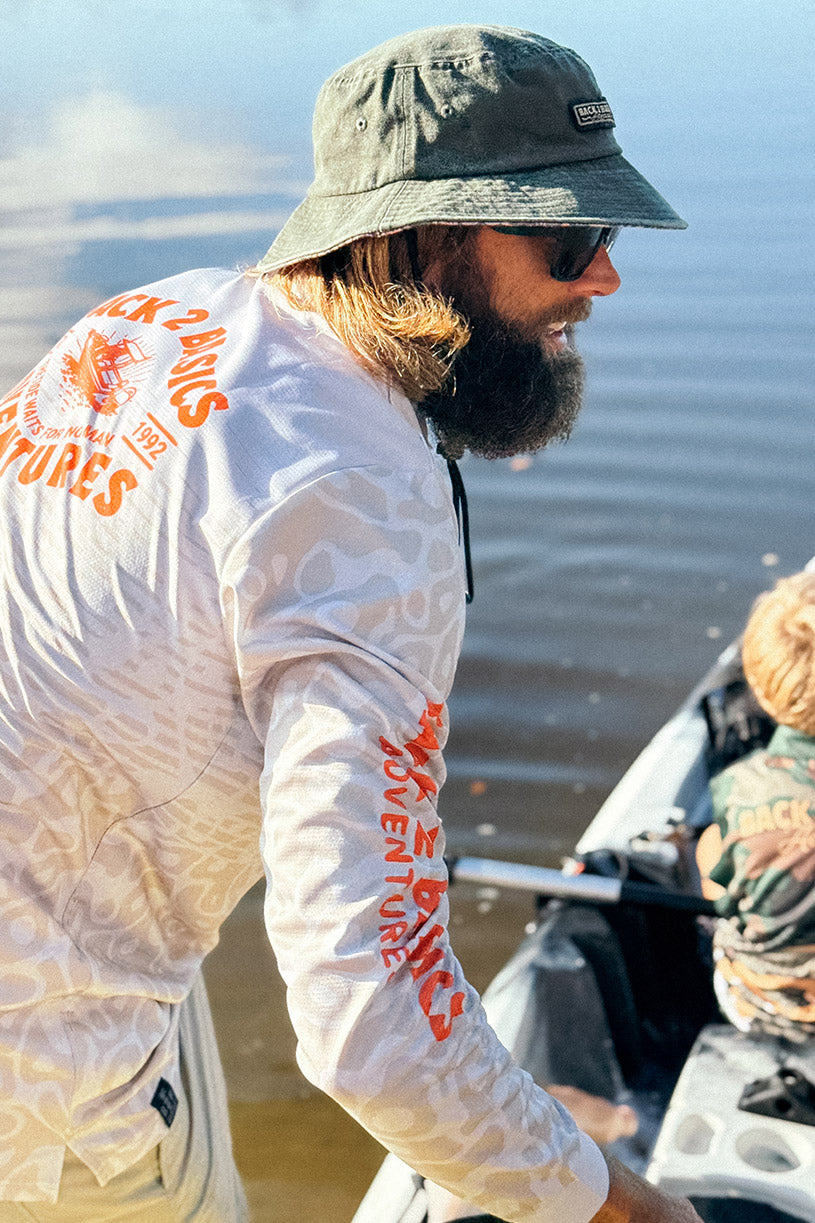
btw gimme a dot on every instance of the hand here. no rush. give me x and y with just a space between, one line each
600 1119
632 1200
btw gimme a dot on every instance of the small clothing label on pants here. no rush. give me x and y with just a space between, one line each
165 1101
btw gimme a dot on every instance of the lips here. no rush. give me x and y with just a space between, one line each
558 329
556 335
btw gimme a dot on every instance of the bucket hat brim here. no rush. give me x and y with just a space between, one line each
598 191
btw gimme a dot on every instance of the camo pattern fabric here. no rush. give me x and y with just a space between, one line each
764 946
232 606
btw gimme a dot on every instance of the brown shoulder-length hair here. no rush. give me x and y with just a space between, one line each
396 327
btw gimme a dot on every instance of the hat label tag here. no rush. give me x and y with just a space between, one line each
592 114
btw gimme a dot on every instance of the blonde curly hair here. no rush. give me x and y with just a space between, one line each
778 652
396 327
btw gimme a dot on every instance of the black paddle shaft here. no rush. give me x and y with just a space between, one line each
585 887
652 894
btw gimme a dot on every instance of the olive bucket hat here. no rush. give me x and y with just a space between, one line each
464 124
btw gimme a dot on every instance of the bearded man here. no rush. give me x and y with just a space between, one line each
232 603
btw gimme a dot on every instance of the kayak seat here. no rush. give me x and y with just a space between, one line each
597 942
736 723
568 973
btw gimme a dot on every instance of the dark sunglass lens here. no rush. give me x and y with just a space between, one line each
578 247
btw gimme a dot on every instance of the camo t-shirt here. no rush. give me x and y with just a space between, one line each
765 945
765 807
231 605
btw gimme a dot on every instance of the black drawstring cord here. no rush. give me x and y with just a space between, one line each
463 519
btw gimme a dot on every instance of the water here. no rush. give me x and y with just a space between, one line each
142 139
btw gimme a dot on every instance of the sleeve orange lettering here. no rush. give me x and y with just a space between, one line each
427 893
424 841
391 821
397 854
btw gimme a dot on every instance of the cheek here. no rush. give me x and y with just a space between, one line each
510 282
525 296
530 258
521 278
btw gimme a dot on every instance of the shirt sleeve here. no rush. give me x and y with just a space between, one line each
347 607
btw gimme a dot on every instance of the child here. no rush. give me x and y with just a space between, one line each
757 859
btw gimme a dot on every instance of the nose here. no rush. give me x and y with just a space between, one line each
600 278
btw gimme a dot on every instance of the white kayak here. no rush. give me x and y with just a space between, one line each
725 1119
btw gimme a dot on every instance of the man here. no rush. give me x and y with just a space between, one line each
232 602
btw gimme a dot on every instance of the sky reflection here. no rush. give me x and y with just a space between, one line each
104 146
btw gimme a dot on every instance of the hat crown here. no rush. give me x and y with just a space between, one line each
455 102
463 125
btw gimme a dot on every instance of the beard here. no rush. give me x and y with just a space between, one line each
507 393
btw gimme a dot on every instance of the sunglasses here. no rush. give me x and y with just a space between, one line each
575 245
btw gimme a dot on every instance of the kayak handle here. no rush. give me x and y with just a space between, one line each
591 889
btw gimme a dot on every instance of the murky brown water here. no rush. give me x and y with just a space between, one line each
609 572
301 1157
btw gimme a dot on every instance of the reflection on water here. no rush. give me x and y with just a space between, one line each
102 148
610 571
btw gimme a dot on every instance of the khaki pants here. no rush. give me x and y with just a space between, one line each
189 1178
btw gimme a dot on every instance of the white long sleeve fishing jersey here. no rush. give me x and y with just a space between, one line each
231 604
